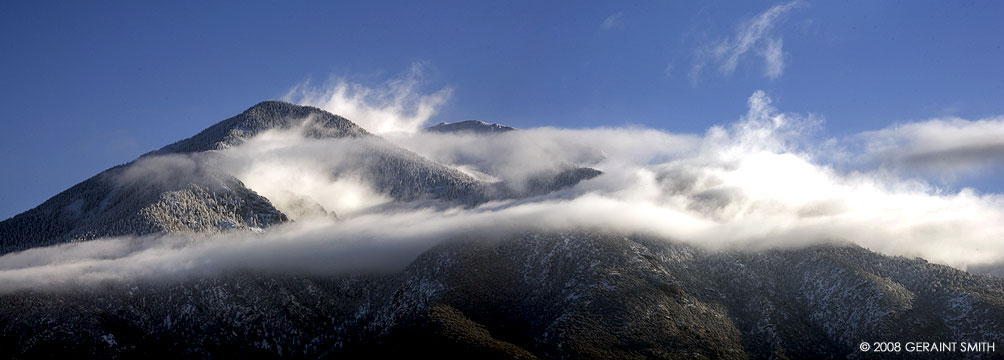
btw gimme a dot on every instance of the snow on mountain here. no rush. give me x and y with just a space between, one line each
266 115
171 189
118 201
469 126
548 295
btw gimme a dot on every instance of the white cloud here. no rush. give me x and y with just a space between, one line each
299 177
398 105
516 155
942 147
750 185
612 21
774 59
755 34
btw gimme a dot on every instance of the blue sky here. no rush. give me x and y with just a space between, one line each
86 86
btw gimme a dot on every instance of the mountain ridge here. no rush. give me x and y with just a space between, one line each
266 115
469 126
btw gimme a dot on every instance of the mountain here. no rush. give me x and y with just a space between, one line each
532 295
178 194
170 190
167 191
469 126
266 115
133 200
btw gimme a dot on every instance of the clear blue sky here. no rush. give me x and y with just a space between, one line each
87 85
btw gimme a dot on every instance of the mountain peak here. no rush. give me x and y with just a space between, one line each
469 126
264 116
280 107
266 103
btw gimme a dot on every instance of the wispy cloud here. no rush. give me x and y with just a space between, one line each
398 105
612 21
773 57
754 36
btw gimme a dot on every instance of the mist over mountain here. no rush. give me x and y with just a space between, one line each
180 188
266 115
289 231
552 295
134 199
170 193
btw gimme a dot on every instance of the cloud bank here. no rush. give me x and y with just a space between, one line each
943 147
755 184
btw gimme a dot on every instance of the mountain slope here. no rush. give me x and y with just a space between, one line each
547 295
136 199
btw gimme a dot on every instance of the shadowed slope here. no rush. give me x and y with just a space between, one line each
547 295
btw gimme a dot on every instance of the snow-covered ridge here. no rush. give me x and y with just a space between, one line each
266 115
471 126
